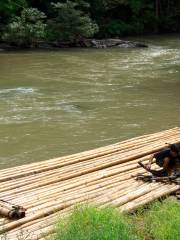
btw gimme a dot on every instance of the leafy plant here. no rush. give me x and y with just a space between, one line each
71 22
27 29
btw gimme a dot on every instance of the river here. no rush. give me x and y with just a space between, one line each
54 103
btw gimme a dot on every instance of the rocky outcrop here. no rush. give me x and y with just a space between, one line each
110 43
103 43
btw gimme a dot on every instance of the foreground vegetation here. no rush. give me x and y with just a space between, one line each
26 23
160 221
90 223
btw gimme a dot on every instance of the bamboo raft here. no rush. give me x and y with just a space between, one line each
104 176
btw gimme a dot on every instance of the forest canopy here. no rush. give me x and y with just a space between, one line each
25 22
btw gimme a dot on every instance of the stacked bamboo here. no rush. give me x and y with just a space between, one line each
102 176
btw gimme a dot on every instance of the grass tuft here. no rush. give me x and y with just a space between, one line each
91 223
158 221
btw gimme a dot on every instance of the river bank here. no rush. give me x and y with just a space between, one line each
84 43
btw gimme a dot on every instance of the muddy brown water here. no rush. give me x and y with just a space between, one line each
54 103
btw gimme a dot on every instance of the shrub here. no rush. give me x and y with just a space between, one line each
71 22
27 29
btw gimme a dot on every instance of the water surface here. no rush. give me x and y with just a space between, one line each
62 102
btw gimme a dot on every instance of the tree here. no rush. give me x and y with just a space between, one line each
8 10
27 29
73 20
71 23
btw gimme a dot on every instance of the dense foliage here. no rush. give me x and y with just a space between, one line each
27 29
73 20
71 23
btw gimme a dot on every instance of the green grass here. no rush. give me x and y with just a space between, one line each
91 223
160 221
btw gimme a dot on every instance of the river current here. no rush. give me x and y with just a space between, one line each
54 103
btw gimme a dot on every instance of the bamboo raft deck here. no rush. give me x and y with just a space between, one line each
104 176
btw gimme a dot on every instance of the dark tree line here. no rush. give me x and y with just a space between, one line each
26 22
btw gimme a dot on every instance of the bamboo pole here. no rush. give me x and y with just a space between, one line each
38 223
34 178
45 229
56 205
29 224
79 195
66 177
60 190
134 194
163 191
45 202
48 174
86 178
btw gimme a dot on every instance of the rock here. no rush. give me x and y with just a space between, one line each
44 45
109 43
5 46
